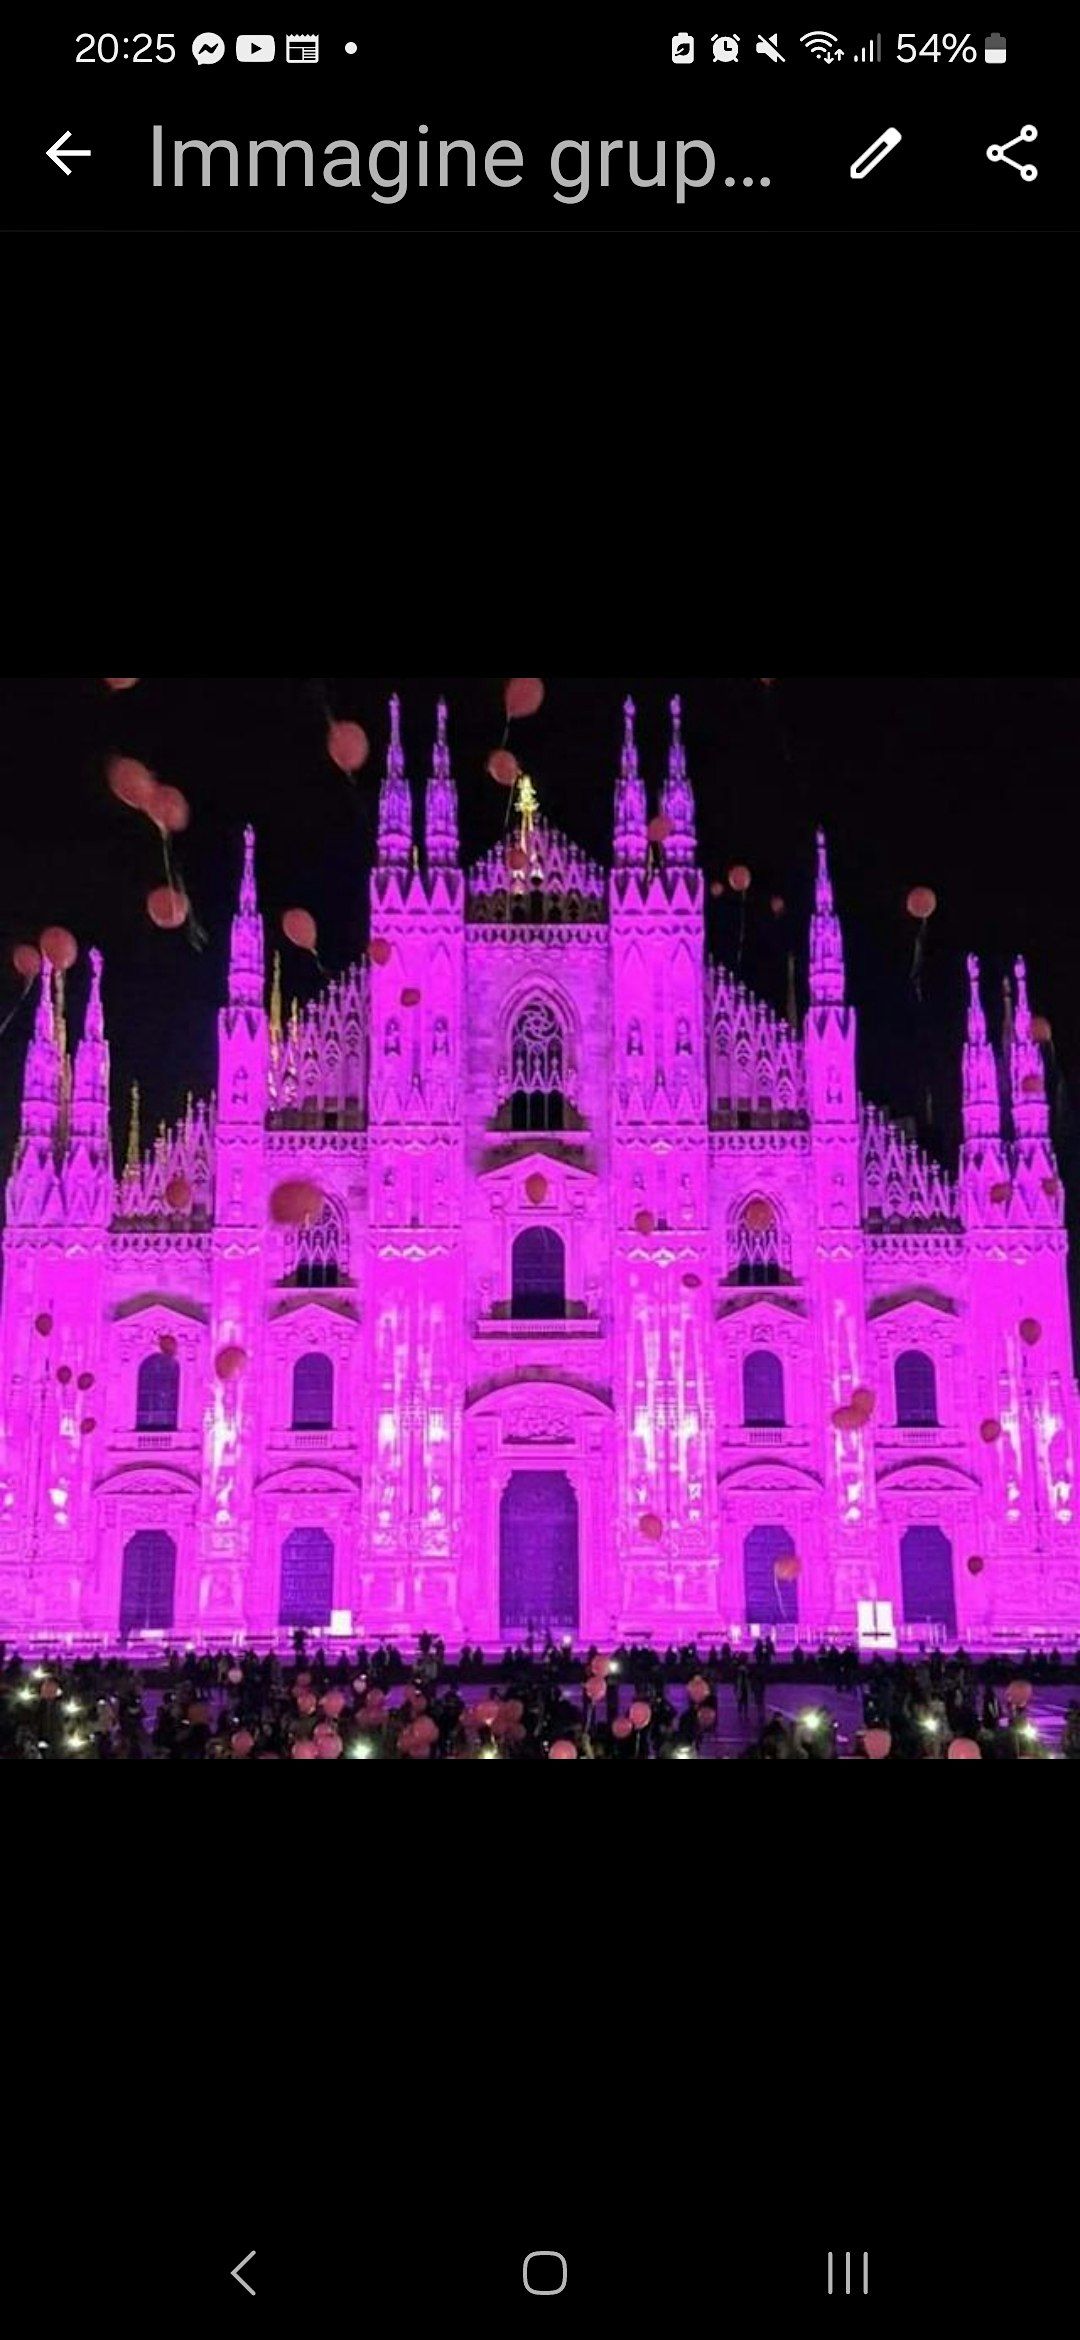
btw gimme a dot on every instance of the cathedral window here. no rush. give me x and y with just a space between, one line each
313 1392
916 1390
538 1268
758 1251
157 1399
537 1068
763 1390
316 1254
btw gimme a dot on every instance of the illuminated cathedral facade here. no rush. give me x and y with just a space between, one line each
621 1312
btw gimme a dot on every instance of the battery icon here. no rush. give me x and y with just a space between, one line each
995 48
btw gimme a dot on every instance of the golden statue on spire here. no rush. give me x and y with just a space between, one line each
527 804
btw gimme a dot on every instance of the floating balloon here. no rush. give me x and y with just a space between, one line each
921 902
347 746
26 961
1001 1192
426 1732
659 829
58 947
167 906
333 1703
759 1216
306 1703
503 767
524 695
410 997
379 951
621 1728
120 682
989 1430
167 1344
1031 1085
170 809
1030 1331
691 1282
296 1202
717 888
298 926
1041 1031
241 1742
1051 1188
645 1223
777 905
517 859
178 1194
230 1361
845 1418
640 1714
697 1690
964 1751
738 878
235 1675
594 1688
64 1374
788 1569
562 1751
85 1381
976 1565
651 1527
305 1751
87 1426
863 1402
1018 1694
877 1744
536 1186
133 783
43 1324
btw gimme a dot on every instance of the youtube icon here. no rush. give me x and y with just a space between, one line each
255 48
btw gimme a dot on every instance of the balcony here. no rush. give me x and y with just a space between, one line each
311 1441
538 1328
155 1441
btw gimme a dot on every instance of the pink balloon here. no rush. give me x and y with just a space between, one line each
347 746
622 1728
964 1751
877 1744
305 1751
333 1702
329 1748
26 961
698 1690
242 1742
640 1714
563 1751
120 682
295 1202
299 927
1018 1694
524 695
305 1703
59 946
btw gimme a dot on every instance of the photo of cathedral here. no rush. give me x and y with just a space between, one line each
620 1312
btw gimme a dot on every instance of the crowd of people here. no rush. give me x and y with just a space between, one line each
535 1704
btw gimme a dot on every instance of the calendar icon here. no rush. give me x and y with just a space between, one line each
301 48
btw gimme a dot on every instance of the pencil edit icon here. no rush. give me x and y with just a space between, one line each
875 154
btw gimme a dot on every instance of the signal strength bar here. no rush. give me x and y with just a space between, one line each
870 54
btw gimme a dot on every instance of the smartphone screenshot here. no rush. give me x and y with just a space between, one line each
538 1208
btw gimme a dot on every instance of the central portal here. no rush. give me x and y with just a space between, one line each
538 1554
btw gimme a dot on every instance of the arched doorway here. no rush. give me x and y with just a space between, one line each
307 1578
771 1598
538 1554
926 1577
147 1583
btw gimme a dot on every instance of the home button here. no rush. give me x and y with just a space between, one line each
544 2274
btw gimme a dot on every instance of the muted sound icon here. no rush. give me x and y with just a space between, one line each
845 2271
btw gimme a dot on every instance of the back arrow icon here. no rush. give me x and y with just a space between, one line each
57 157
235 2271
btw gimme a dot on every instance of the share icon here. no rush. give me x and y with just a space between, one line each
1001 153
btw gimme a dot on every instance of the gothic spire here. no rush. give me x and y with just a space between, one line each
395 800
677 799
981 1102
631 818
246 973
440 806
90 1088
1026 1075
826 941
41 1074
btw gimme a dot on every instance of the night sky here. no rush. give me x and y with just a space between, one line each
963 786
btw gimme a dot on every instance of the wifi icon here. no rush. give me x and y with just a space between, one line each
823 45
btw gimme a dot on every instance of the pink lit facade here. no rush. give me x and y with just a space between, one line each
605 1244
